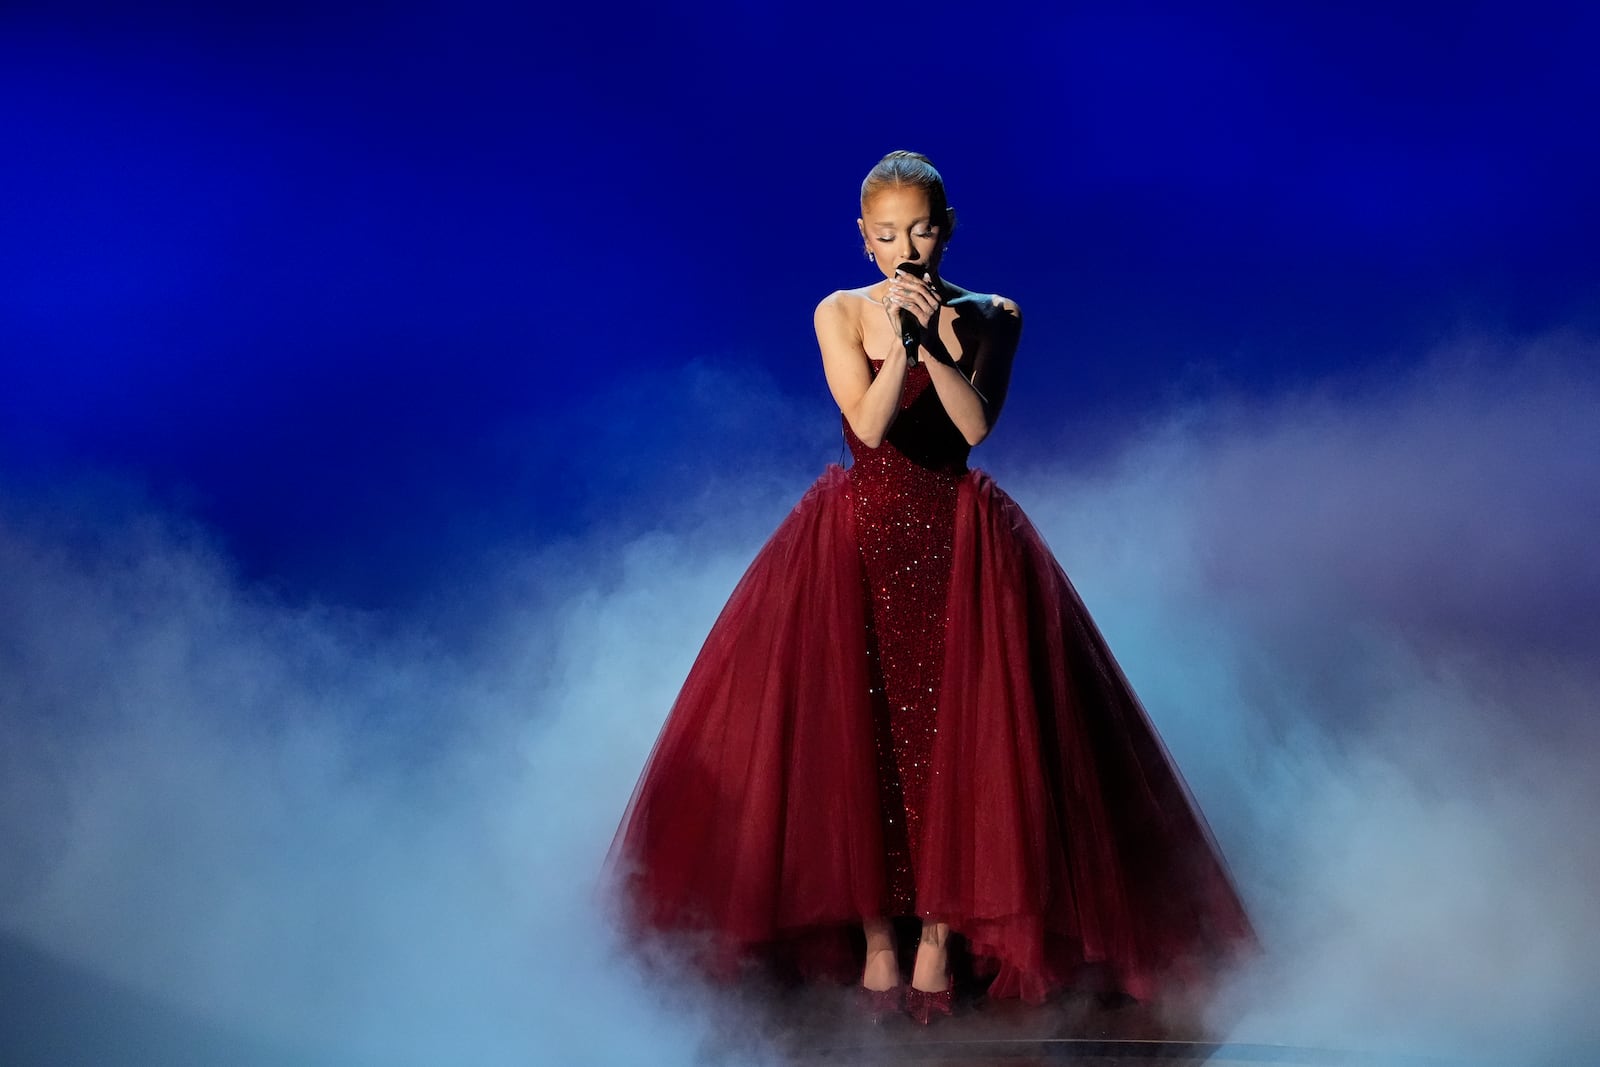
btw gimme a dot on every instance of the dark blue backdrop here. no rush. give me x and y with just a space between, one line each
369 291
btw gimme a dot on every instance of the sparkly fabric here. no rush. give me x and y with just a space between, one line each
905 707
905 495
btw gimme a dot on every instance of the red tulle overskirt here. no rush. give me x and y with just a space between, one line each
1058 838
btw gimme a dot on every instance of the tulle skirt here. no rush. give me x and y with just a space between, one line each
1058 838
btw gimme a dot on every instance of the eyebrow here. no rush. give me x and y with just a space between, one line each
887 222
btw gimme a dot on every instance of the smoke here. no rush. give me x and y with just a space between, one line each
1367 619
1363 616
336 847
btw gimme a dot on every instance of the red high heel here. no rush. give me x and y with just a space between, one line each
879 1004
922 1005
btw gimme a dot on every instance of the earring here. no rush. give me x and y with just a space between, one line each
868 252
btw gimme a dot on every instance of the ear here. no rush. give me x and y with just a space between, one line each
861 226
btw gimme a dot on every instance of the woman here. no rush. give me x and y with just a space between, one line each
904 714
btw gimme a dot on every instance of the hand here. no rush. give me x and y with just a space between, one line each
916 295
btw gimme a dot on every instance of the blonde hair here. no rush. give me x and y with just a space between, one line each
915 170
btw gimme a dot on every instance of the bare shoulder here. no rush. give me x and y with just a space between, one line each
1002 321
841 310
839 304
1003 317
837 321
988 306
1003 307
831 303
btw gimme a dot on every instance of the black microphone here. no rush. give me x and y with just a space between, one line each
910 328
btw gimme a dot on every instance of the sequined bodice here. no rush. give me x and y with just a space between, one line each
922 434
904 494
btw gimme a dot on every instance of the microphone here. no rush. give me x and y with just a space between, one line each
910 329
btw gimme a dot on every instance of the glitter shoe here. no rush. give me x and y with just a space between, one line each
922 1005
879 1004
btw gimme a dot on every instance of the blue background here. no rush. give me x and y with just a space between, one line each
368 291
391 396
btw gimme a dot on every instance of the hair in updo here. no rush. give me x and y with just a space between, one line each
913 169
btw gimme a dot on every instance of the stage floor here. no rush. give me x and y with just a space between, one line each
824 1030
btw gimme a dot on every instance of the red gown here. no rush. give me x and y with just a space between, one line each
905 709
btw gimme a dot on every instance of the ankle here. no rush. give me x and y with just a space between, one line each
931 949
882 970
931 971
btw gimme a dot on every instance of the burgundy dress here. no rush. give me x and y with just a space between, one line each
905 709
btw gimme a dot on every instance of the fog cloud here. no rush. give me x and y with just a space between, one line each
1364 618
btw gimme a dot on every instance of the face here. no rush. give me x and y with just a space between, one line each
898 226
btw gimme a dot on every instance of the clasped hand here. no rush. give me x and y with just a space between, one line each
916 295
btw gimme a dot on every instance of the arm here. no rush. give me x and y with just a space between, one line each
869 404
974 405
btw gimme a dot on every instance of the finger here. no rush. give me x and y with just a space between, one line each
911 289
912 300
921 300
